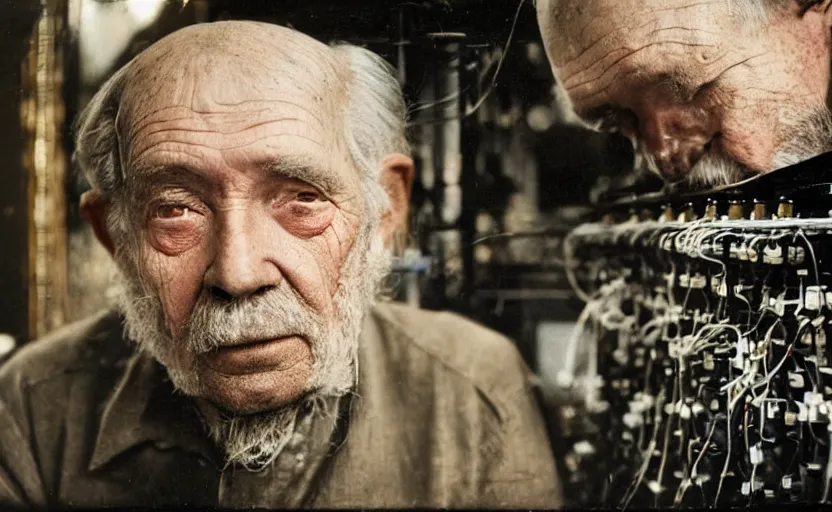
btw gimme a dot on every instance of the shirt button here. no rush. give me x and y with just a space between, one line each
296 440
164 445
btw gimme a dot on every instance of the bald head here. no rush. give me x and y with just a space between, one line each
233 60
708 91
219 68
250 42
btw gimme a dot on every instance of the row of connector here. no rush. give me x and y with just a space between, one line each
737 210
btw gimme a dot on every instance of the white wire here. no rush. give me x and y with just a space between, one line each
811 250
646 456
828 475
691 239
569 267
575 335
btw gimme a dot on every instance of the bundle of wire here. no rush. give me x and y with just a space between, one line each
703 365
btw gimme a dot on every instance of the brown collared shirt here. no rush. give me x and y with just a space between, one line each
443 416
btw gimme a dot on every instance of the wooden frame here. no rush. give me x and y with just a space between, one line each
45 160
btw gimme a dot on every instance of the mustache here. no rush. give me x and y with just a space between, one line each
713 169
275 313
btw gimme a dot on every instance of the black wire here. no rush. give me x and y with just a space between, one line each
481 100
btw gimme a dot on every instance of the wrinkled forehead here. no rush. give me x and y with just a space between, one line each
204 77
576 32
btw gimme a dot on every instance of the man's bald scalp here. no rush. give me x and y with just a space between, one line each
251 42
242 52
557 18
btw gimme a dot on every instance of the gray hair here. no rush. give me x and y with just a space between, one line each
375 125
375 117
376 112
750 11
759 11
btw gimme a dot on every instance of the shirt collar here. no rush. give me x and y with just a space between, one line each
145 407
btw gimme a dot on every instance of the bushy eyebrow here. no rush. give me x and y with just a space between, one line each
142 181
306 170
676 87
302 169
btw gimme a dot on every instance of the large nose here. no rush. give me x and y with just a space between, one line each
677 137
243 265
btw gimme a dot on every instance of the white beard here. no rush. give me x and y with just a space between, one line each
254 441
811 136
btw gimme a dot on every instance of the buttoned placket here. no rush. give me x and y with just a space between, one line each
274 486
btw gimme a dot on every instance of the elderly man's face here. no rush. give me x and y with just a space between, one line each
248 188
694 82
253 242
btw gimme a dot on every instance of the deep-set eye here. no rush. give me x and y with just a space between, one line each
608 121
171 211
308 196
175 228
303 211
611 118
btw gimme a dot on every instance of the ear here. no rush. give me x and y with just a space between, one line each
397 179
94 211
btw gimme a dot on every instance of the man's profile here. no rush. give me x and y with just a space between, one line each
709 92
249 182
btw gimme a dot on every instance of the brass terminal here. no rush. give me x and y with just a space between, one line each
688 214
711 210
785 209
736 210
759 210
668 213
